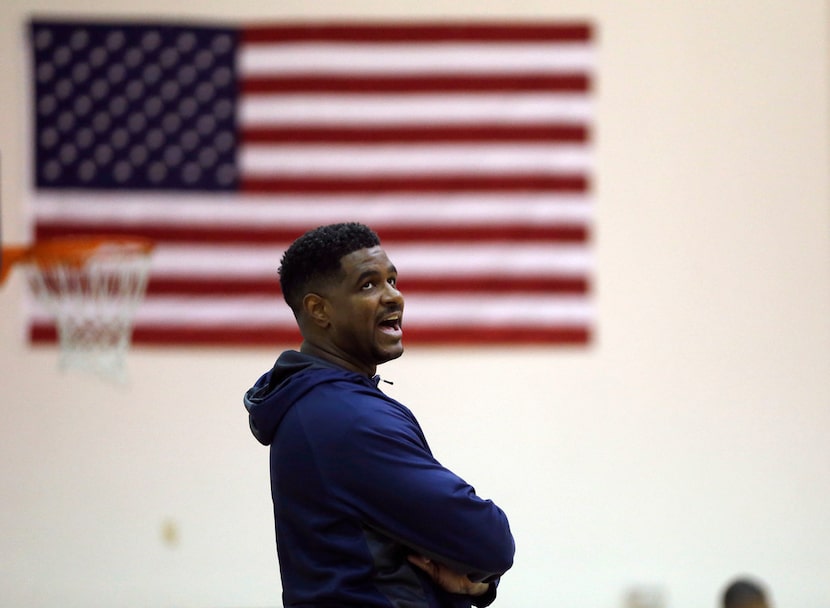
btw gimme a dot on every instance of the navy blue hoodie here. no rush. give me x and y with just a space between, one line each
356 489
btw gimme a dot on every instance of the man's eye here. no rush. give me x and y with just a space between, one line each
367 285
393 282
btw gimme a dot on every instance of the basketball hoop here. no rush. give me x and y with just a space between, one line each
92 286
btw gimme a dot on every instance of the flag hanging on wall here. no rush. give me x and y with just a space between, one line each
466 146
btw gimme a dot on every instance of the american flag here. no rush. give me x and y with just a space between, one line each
466 146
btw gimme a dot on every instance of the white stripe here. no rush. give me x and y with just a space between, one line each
272 110
410 260
517 159
502 260
258 59
208 210
501 310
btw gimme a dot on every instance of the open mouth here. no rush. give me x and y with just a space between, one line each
392 323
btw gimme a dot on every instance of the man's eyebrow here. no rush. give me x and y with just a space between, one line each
372 272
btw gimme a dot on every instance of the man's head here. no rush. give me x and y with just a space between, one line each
314 258
342 289
744 593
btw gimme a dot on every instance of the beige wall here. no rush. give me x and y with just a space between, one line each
691 443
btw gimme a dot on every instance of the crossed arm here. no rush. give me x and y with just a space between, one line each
448 579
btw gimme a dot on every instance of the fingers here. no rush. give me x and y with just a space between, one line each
423 563
454 582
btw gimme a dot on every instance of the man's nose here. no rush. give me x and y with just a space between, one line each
392 294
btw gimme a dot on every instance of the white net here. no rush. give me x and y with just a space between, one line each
93 296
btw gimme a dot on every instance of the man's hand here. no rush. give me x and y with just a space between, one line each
449 580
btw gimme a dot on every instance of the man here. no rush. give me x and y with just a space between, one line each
744 593
364 514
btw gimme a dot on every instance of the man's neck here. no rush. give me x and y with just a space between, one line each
337 359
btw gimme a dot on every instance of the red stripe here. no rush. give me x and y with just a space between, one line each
273 336
435 83
249 235
409 183
270 287
481 336
408 134
184 336
560 233
562 32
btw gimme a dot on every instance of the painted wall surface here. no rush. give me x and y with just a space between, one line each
688 445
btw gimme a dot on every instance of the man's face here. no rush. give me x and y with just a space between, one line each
366 311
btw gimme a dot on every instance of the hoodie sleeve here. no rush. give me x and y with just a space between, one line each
383 471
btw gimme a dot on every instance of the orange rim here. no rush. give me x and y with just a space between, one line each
11 256
74 251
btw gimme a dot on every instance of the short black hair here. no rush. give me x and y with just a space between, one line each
316 255
744 592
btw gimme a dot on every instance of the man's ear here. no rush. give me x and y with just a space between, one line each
316 309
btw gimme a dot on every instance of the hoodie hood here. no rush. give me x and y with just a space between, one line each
277 390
